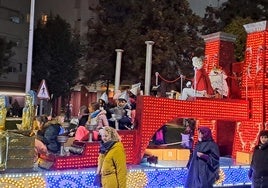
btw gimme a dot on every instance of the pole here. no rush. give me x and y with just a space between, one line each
148 67
41 107
30 49
182 78
195 70
156 78
118 68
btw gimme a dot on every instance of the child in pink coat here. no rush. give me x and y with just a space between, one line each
97 119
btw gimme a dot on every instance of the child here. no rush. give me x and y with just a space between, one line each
39 147
97 119
122 112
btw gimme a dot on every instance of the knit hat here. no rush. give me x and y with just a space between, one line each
264 133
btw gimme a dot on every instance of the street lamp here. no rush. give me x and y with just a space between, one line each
30 49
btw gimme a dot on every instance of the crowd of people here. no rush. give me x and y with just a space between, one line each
203 165
111 168
100 120
100 114
90 120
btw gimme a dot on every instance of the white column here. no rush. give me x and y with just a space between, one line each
156 78
30 49
148 68
118 69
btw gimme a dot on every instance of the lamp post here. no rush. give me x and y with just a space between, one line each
30 49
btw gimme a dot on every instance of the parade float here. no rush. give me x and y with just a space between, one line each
234 121
17 147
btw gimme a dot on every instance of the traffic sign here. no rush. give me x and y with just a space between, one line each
43 91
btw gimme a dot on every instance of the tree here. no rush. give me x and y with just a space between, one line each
257 10
55 55
211 21
127 24
231 16
237 29
5 54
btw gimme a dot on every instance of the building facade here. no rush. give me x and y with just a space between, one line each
14 21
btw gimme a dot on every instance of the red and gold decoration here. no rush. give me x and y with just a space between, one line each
32 181
137 179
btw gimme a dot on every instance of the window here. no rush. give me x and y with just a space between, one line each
11 69
20 67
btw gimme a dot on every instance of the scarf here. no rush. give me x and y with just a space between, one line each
95 113
263 146
105 147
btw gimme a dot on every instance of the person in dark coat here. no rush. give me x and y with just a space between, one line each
50 137
203 166
83 115
49 133
258 172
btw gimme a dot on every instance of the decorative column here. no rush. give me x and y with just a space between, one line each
118 68
219 51
148 68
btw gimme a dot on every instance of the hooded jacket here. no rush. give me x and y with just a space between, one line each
113 167
203 172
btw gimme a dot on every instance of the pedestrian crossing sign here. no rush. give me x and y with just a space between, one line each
43 91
